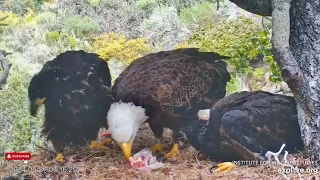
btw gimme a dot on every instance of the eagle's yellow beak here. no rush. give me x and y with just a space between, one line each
126 149
35 105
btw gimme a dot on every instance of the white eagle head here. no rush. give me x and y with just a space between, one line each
124 121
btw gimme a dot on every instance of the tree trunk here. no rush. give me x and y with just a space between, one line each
305 45
296 46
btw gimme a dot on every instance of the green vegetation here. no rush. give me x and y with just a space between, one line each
119 31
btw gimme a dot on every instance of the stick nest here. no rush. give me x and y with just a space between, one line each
89 164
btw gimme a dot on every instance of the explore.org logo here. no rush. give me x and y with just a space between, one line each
24 156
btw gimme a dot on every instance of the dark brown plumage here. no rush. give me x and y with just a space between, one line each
174 81
245 125
172 86
75 89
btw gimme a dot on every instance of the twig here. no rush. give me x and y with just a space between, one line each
275 155
218 4
170 174
291 166
43 148
90 156
3 18
197 160
200 175
6 68
269 155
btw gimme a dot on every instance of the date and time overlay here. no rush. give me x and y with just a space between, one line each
24 157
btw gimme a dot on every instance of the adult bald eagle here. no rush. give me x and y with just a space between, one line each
165 89
244 126
75 89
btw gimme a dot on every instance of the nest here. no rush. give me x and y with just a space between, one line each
110 164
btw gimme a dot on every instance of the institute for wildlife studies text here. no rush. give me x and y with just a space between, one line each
252 163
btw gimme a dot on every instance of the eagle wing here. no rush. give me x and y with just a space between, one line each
80 111
262 121
244 125
80 99
82 65
179 82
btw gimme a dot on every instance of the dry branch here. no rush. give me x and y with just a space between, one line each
4 62
5 66
286 163
2 19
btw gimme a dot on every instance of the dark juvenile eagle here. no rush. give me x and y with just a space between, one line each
244 126
75 89
165 89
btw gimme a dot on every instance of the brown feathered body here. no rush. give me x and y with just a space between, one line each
245 125
173 85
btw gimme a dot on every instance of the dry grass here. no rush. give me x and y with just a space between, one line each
110 164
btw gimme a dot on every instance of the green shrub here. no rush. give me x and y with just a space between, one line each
113 45
46 17
120 16
20 6
199 15
263 45
52 36
81 26
179 4
228 38
11 20
164 28
233 85
94 3
19 132
147 5
62 41
49 20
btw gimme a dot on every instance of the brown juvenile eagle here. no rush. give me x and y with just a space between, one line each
244 126
165 89
75 89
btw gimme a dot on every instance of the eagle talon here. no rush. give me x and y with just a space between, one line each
60 158
158 147
223 167
173 153
99 145
107 141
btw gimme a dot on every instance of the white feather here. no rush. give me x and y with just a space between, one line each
124 120
204 114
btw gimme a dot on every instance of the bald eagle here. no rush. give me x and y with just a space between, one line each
165 89
244 126
75 89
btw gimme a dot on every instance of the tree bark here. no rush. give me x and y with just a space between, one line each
305 47
5 66
296 48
